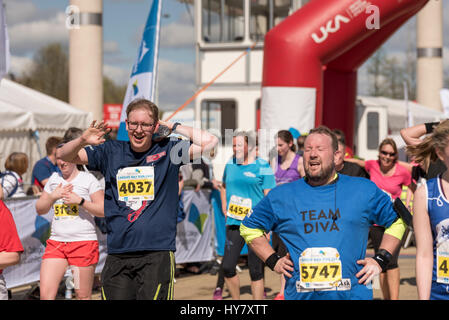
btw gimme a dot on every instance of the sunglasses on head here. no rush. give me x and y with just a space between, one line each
385 153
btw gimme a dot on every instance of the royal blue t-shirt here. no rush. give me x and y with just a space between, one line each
152 226
337 215
247 181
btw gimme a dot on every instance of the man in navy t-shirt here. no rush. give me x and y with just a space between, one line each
141 198
45 167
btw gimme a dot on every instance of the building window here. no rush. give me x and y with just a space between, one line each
265 14
223 20
373 130
219 115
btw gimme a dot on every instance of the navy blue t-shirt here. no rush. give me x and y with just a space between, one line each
152 226
42 170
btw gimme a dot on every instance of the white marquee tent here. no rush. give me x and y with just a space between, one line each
28 118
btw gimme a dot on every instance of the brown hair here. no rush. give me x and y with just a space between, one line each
51 144
425 151
143 104
287 137
328 132
17 162
391 142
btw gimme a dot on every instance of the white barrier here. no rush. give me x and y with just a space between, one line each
193 241
34 230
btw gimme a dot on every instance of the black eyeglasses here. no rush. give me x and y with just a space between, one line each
144 126
385 153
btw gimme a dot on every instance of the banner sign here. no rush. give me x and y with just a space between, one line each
194 237
111 115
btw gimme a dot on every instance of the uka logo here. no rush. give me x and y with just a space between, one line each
332 26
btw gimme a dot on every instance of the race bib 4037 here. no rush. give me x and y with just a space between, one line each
136 183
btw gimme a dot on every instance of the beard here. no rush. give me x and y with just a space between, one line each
322 176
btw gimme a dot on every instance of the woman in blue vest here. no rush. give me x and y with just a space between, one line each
246 179
431 218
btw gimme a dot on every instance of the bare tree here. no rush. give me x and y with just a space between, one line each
375 66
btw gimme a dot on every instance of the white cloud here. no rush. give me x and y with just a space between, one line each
28 36
19 65
19 11
179 34
111 47
176 83
119 75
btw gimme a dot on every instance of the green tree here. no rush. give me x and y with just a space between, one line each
49 73
113 93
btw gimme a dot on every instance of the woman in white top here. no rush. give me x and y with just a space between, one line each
11 180
75 197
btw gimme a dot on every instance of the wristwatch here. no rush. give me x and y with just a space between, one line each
174 126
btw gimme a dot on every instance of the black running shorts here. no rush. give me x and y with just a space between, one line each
145 275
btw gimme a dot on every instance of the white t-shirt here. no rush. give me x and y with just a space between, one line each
73 223
9 182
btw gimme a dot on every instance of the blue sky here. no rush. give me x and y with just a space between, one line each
35 23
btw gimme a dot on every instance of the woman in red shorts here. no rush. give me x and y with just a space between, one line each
75 197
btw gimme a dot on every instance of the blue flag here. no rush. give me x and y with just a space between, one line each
142 82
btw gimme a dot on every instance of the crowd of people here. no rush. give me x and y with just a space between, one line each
308 213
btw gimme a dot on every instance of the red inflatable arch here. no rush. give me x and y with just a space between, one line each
311 60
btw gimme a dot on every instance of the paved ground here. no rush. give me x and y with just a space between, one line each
201 287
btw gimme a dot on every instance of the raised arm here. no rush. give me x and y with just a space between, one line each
203 141
413 134
73 151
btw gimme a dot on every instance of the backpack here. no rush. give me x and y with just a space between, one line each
2 177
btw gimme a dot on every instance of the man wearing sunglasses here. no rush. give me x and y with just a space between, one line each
141 198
